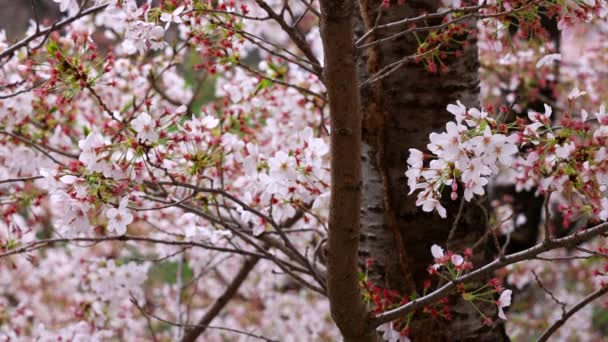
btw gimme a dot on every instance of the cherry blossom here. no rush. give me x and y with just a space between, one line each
70 6
91 149
457 260
429 204
145 126
503 302
283 165
119 218
466 150
173 17
437 252
576 93
391 335
548 59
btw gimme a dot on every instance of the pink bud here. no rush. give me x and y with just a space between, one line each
454 196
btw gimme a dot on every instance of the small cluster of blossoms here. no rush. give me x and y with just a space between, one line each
109 280
79 332
472 149
141 27
196 229
569 159
451 40
287 179
78 198
567 13
454 264
391 334
382 299
513 71
519 90
449 266
507 220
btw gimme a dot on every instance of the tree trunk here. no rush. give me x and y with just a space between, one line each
399 112
15 15
346 302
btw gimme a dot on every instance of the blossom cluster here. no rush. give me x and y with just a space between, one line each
473 148
568 159
450 266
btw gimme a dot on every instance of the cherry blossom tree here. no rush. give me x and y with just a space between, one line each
304 170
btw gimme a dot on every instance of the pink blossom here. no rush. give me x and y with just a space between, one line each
503 302
145 126
119 218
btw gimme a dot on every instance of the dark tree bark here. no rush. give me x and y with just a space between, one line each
399 112
347 307
15 15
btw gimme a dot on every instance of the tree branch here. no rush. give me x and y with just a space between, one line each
38 244
553 328
193 333
346 302
146 313
295 36
488 269
56 26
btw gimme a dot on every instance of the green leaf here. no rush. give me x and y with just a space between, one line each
52 47
264 84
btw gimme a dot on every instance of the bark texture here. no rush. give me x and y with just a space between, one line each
399 112
15 15
347 307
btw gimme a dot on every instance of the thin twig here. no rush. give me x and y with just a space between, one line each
56 26
455 224
470 15
16 180
193 333
594 253
424 17
487 270
38 244
298 39
389 69
236 331
32 144
556 325
555 299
